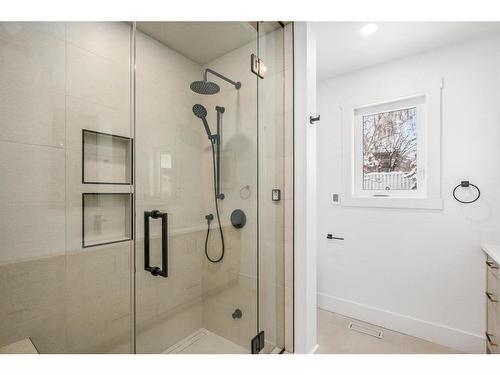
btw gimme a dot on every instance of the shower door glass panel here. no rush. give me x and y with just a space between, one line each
271 120
61 291
191 304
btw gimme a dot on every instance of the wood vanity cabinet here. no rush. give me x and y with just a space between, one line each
493 306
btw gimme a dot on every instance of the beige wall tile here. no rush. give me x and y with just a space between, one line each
97 79
84 114
31 114
31 58
26 168
110 40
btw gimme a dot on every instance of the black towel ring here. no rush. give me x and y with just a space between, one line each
466 184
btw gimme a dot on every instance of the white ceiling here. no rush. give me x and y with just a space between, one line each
201 42
342 49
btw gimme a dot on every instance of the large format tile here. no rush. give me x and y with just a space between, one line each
32 295
334 337
157 335
85 114
31 58
205 342
31 114
32 75
419 346
27 168
33 220
110 40
97 79
31 230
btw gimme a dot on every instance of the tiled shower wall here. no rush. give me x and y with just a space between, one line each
168 309
56 79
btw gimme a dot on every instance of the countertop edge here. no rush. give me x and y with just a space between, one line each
492 250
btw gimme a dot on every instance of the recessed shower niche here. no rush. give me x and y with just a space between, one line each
106 218
106 158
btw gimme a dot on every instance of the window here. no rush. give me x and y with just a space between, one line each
388 141
391 150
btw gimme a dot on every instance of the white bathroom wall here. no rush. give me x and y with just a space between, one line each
420 272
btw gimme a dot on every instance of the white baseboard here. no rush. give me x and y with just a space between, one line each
466 342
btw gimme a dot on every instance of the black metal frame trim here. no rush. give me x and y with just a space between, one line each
131 159
109 242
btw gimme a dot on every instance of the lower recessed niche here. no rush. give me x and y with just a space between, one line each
106 218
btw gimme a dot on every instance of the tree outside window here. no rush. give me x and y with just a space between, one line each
390 150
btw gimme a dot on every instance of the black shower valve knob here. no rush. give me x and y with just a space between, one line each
237 314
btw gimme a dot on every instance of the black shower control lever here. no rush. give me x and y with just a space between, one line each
237 314
312 120
332 237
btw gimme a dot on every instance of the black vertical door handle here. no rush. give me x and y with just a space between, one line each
154 270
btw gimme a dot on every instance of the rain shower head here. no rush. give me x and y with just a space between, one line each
206 87
201 112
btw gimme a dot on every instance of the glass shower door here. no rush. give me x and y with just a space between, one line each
196 165
66 187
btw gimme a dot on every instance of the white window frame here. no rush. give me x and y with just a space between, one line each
428 104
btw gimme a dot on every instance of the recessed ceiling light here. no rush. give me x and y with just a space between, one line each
368 29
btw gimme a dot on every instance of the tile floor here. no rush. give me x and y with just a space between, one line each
205 342
334 337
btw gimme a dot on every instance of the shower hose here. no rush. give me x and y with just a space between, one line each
218 216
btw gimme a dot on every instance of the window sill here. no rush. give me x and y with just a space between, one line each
393 202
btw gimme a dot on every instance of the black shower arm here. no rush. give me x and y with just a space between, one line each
208 70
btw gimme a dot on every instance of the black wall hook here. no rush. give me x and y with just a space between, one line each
312 120
466 184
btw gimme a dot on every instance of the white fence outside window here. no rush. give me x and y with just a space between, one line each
388 181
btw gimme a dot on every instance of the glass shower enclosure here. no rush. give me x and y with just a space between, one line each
142 167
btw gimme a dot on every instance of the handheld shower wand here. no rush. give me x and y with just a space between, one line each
201 113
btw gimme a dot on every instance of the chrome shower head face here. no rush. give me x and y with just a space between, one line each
205 87
199 111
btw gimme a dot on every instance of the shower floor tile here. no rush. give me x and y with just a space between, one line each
204 341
